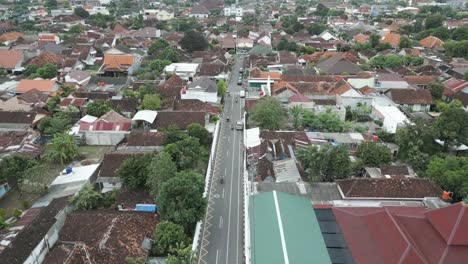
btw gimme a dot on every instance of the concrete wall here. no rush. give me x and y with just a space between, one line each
104 138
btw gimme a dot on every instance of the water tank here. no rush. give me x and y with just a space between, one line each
68 170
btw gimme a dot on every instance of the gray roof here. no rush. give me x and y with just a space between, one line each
337 65
204 83
53 48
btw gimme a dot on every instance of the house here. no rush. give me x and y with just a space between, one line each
285 57
214 71
388 188
233 10
431 42
199 11
107 177
453 86
49 87
143 141
415 100
164 14
119 65
412 234
257 78
19 143
72 103
421 81
104 236
109 129
203 89
126 106
78 77
11 60
360 38
45 58
45 38
228 42
385 81
392 39
338 65
181 119
111 85
186 71
243 45
10 37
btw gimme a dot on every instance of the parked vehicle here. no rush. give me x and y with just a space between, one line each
241 70
242 94
239 125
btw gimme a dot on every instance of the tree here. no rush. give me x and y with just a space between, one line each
185 153
326 163
222 88
296 113
147 88
48 71
456 48
433 21
198 131
134 171
316 28
460 33
405 42
373 154
159 65
161 169
166 237
419 134
181 199
452 127
62 149
436 89
52 125
269 114
87 198
76 29
157 45
193 41
374 40
451 173
151 102
173 134
183 255
169 54
51 4
81 12
98 108
13 168
324 121
441 32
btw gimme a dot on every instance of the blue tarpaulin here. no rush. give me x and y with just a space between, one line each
146 208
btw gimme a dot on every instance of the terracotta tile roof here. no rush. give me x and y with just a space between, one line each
45 58
195 105
17 117
10 36
311 78
44 86
431 42
33 96
340 88
10 58
360 38
422 80
209 69
76 102
410 96
258 74
389 188
179 118
316 57
111 162
298 98
117 62
366 90
105 237
146 138
281 86
411 234
392 39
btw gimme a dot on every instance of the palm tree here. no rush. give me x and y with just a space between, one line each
62 148
296 112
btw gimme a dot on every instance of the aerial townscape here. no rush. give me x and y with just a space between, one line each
233 132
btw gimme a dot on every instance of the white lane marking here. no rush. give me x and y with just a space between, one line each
220 222
223 193
217 253
230 203
225 170
280 225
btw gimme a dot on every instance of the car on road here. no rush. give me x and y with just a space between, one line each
239 125
239 82
242 94
241 70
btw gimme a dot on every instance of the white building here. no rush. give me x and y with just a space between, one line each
233 10
186 71
203 89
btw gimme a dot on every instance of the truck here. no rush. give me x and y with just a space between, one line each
242 94
239 125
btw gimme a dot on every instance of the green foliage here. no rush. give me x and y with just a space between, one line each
198 131
283 44
169 54
16 213
51 4
159 65
451 127
134 171
131 260
325 121
53 125
374 40
373 154
436 89
62 149
456 48
307 50
222 88
183 255
161 169
136 22
390 61
181 199
316 28
100 20
76 29
98 108
157 45
151 102
147 88
166 237
12 169
193 41
25 204
185 153
460 33
451 173
433 21
296 112
326 163
269 114
81 12
49 71
87 198
405 42
173 134
4 225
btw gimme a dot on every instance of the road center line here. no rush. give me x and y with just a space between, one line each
217 253
220 221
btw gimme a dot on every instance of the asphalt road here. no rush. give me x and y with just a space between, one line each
222 229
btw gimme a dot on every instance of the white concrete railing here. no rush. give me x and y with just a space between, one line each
209 172
246 201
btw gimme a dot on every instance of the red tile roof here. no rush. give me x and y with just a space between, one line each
405 234
44 86
10 58
392 39
431 42
76 102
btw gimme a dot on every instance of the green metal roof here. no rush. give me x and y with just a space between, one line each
284 229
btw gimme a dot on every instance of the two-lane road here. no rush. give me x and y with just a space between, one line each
222 229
